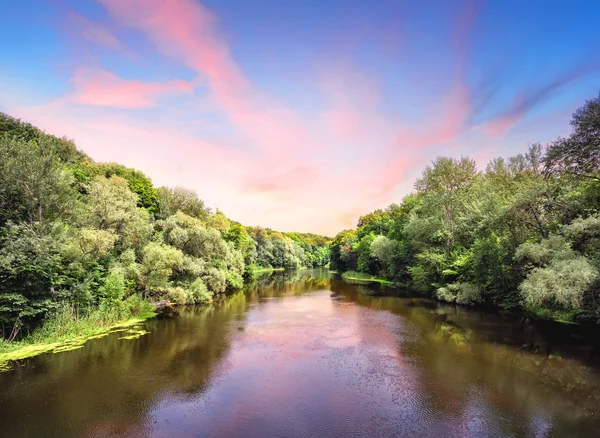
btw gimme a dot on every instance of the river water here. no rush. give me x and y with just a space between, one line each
302 354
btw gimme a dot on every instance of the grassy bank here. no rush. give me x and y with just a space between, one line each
367 278
67 330
263 270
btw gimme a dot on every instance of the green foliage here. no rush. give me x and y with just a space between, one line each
138 183
272 249
113 289
34 186
523 233
95 240
563 282
65 149
579 154
460 293
199 292
173 200
158 263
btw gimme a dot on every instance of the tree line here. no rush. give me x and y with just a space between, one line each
84 238
522 234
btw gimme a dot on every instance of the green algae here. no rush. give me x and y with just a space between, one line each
365 278
135 333
131 326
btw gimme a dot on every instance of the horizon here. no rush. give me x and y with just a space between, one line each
272 113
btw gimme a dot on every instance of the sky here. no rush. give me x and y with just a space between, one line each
298 115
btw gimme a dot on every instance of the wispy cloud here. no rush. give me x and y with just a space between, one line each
529 100
93 32
265 162
102 88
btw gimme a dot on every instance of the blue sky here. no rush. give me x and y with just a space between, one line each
271 108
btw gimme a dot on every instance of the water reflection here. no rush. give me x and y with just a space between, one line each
302 354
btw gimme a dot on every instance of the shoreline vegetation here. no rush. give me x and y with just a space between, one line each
86 246
263 270
522 235
367 278
70 334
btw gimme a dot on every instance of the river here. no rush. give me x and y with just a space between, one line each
305 354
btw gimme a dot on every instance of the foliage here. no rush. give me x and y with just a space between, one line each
172 200
523 233
92 243
273 249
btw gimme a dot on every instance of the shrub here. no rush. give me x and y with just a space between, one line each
234 280
199 292
138 305
563 283
178 295
460 293
215 280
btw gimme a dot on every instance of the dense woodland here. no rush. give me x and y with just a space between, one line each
98 242
522 234
81 240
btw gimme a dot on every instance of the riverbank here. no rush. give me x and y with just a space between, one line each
562 317
78 332
263 270
366 278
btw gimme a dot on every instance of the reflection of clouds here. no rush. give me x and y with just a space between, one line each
311 364
310 360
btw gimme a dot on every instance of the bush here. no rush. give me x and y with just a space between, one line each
178 295
468 294
215 280
113 288
562 283
199 292
447 293
138 305
460 293
234 280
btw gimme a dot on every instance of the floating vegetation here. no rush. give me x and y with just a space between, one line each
354 277
135 333
132 328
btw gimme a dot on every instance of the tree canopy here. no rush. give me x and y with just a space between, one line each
522 234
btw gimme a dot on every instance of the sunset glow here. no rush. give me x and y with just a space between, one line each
298 116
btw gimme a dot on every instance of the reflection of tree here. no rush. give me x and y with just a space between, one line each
108 385
116 380
475 368
462 365
286 283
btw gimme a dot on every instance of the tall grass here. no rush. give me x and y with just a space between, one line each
68 322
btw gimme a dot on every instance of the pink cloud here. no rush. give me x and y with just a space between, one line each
291 144
185 31
279 166
102 88
527 101
94 32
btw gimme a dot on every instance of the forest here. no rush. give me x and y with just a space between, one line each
86 244
523 234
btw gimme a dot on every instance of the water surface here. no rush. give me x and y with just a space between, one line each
302 354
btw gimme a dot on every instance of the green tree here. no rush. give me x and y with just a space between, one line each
32 181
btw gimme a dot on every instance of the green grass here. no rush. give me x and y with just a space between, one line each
367 278
67 331
261 270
